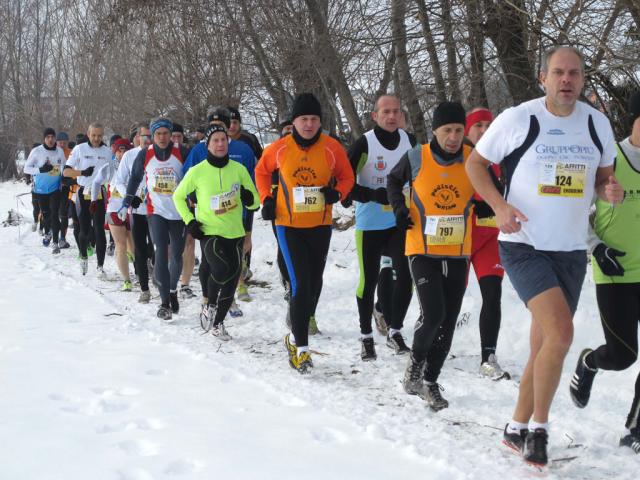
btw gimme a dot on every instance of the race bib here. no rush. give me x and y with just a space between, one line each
165 183
224 202
378 181
487 222
407 200
87 194
444 229
562 179
308 199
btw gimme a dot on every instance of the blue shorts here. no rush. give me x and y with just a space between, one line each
534 271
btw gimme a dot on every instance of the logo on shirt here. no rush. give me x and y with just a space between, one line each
555 131
304 176
632 194
565 149
445 196
380 164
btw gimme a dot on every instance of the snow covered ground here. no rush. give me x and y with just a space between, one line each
93 385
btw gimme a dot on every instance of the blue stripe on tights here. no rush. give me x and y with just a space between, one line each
282 240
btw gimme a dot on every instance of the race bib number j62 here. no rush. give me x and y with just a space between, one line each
444 229
308 199
562 179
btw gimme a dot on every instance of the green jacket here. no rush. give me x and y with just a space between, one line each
219 208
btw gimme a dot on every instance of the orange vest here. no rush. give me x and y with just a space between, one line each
440 209
301 174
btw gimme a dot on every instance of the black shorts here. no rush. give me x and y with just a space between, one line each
534 271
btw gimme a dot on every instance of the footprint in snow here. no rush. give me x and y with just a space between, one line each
134 474
184 467
329 435
145 424
142 448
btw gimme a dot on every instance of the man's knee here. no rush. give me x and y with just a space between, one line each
560 336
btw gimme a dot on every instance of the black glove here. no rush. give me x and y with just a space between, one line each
606 258
93 207
379 195
347 202
331 195
136 202
403 220
269 209
195 230
246 196
87 172
47 167
482 209
68 181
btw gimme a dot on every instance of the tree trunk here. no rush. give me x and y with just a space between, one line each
436 68
452 58
507 28
333 64
477 92
407 87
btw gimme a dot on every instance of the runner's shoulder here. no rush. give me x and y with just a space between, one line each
275 146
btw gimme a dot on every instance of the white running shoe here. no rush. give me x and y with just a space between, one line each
491 369
207 315
145 297
84 265
221 332
100 273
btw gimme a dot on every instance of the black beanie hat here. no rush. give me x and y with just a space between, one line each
220 114
213 129
306 104
634 106
448 112
177 128
235 113
48 131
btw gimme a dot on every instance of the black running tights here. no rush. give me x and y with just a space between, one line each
619 306
440 285
490 314
90 222
224 259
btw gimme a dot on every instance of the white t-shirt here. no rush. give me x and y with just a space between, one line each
552 182
122 179
84 156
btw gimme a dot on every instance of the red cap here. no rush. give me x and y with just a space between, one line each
122 142
477 116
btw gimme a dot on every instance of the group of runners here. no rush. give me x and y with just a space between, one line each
512 193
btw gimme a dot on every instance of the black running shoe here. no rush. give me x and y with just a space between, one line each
396 342
164 313
514 441
413 382
632 440
434 398
580 388
368 350
535 447
173 299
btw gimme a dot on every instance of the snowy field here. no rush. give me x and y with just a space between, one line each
93 385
